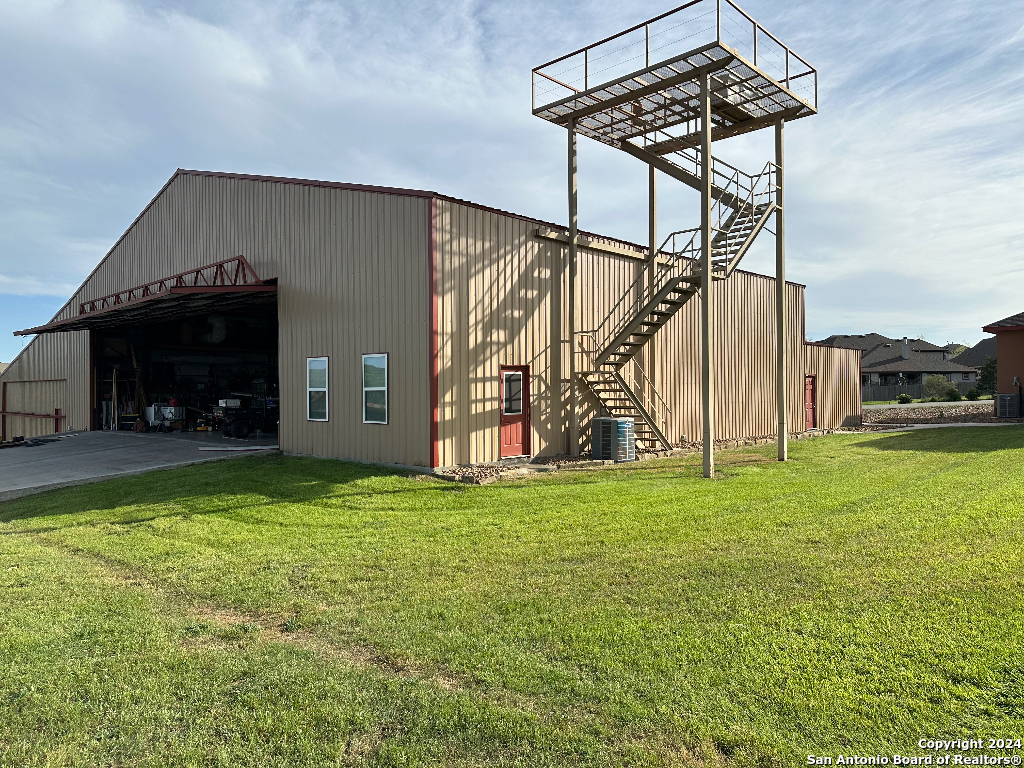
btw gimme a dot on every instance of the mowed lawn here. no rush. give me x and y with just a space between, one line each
279 611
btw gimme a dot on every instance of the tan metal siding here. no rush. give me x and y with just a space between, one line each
357 283
744 360
353 272
838 372
28 391
495 307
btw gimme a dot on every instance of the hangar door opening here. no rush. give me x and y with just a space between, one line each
215 370
195 351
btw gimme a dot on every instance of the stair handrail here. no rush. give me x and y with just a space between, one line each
723 175
762 185
587 353
664 412
640 290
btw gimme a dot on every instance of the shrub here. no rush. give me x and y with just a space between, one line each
953 395
904 399
973 393
935 388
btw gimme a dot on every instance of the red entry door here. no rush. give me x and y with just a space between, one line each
515 410
810 402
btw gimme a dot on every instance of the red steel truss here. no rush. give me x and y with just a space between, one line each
230 272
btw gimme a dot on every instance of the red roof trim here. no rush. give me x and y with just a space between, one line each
310 183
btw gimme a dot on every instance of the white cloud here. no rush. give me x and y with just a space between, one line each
904 192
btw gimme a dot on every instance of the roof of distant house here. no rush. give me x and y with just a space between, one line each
3 367
978 354
869 341
863 341
888 358
1013 321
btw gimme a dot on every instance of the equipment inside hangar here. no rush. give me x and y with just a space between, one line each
191 352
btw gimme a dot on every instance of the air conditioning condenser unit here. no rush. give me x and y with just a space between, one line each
1008 406
612 439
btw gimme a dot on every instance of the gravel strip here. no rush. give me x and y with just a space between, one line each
485 474
953 413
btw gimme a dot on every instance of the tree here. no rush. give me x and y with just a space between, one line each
935 387
987 380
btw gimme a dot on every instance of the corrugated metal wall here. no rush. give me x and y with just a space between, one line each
353 269
355 281
743 360
496 307
31 387
838 386
354 278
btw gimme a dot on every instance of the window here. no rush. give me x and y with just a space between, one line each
375 389
316 388
967 377
512 393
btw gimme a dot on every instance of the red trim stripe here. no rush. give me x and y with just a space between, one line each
432 331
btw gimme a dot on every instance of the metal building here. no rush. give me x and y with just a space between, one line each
393 325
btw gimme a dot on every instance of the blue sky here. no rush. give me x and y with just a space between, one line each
905 195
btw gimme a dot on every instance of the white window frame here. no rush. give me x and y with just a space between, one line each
387 379
967 377
504 377
325 390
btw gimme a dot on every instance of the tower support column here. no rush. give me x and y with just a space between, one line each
706 282
574 423
652 265
780 294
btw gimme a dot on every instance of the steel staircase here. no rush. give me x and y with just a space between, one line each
730 243
743 205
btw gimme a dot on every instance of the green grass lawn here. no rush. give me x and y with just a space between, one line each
278 611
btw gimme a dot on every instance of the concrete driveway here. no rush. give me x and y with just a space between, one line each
76 458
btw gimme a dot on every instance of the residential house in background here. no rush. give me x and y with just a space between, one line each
891 364
976 356
908 362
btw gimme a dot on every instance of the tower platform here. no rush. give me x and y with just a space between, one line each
640 88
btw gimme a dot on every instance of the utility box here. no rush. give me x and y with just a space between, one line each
612 439
1008 406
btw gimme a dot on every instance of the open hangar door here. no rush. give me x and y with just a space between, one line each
215 370
195 351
